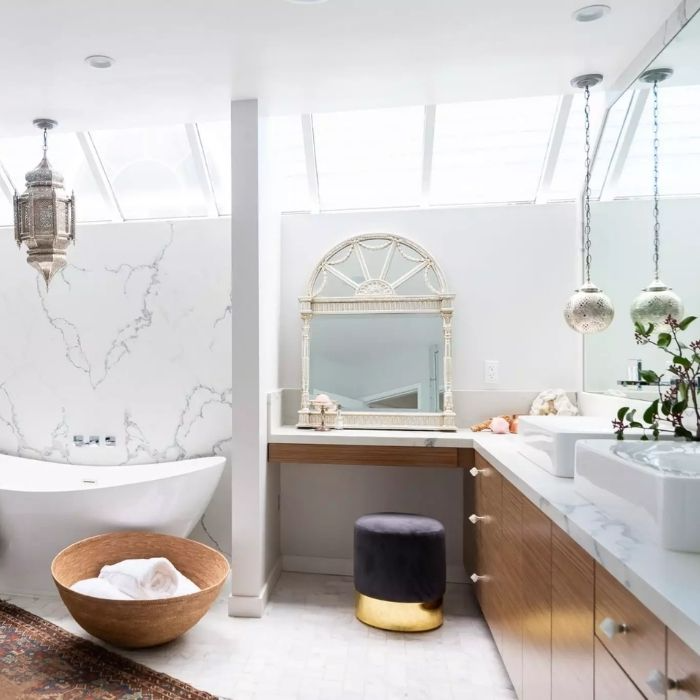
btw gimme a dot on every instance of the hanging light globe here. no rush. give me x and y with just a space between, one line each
589 310
655 304
657 301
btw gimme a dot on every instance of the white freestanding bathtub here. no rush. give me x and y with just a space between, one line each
46 506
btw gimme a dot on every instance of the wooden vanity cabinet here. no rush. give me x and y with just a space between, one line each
565 628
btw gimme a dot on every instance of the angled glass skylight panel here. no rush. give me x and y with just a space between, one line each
569 173
679 153
490 152
369 159
152 171
287 150
216 142
19 155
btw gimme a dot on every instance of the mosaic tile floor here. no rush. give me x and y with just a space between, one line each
309 646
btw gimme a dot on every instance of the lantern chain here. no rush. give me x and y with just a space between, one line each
657 224
587 191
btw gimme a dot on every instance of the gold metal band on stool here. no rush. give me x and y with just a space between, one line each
398 617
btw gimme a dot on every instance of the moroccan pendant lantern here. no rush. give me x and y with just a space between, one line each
45 215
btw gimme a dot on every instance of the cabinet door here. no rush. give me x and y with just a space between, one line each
466 461
487 501
511 590
573 590
611 682
634 636
537 603
683 670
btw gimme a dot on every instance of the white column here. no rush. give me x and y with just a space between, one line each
255 259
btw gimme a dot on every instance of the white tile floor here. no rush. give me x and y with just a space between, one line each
309 646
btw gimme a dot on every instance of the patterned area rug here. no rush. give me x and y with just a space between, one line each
40 661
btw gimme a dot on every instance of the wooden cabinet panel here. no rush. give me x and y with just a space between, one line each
573 611
611 682
511 585
683 669
537 603
641 649
487 505
468 530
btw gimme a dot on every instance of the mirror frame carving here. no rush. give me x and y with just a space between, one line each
378 296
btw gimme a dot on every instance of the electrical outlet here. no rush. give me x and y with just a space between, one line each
491 371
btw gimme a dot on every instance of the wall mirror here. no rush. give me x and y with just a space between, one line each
623 222
377 338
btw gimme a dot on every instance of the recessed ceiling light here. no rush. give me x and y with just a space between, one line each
98 61
307 2
591 13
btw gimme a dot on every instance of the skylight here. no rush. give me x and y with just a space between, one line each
679 152
287 143
568 175
369 159
490 152
153 172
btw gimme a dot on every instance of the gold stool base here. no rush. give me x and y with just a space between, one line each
398 617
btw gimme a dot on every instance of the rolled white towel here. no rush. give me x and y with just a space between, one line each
99 588
143 579
185 586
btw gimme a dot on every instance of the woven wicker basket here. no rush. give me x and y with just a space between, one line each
134 624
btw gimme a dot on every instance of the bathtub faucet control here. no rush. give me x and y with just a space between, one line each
82 441
78 440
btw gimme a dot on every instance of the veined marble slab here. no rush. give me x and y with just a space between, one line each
666 582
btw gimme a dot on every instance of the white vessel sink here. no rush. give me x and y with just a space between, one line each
656 485
549 441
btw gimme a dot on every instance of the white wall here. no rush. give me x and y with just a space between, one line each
512 270
133 339
622 266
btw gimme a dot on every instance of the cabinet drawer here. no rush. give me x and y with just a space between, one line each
683 670
632 634
611 682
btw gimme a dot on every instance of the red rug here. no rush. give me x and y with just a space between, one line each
40 661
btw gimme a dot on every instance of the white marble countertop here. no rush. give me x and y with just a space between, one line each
388 438
668 583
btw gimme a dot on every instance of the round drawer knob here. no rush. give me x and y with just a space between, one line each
475 578
610 628
659 682
474 519
475 472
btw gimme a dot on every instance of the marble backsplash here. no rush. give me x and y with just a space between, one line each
133 339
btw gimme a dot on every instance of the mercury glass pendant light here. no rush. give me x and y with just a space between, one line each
45 215
657 301
588 309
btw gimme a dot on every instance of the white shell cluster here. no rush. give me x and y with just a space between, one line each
655 304
589 310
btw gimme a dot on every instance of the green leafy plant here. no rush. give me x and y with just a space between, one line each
677 405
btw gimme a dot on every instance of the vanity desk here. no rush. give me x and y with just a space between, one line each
579 605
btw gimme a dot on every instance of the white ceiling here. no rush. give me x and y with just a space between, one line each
183 60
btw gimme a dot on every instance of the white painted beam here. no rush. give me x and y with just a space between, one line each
624 143
307 126
201 169
556 139
428 150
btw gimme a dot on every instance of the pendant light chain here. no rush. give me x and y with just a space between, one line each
46 143
657 224
587 191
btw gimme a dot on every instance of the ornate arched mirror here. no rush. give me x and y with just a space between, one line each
376 338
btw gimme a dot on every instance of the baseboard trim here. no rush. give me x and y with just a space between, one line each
254 605
343 567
